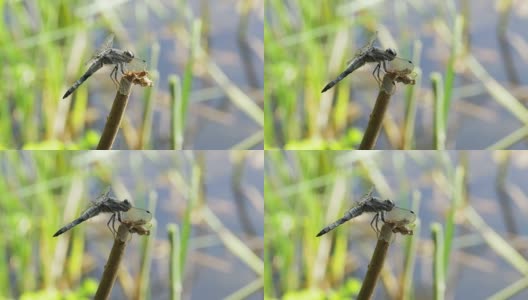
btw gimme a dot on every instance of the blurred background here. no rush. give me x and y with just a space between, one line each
468 57
204 57
206 240
470 239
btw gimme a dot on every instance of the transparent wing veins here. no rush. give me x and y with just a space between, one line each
107 44
366 197
400 65
400 215
364 49
137 214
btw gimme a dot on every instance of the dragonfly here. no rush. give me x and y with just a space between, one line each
123 211
369 54
385 210
106 55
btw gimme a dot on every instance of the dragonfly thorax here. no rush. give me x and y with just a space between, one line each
389 204
391 52
112 205
129 53
127 205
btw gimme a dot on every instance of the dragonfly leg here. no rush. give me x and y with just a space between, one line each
122 69
384 66
114 72
382 217
108 223
375 220
379 69
376 69
118 218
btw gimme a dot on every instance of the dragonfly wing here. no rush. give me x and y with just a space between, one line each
400 216
363 50
137 65
400 66
136 215
365 197
103 197
372 39
367 48
358 56
107 44
355 62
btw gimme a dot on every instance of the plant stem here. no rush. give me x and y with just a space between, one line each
112 265
376 263
118 107
376 117
116 114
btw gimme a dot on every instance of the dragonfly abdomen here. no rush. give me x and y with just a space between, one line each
350 214
69 226
85 216
351 68
93 68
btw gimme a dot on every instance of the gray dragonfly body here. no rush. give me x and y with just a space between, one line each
370 204
106 204
369 54
106 56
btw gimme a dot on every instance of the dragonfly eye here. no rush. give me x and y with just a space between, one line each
390 51
129 53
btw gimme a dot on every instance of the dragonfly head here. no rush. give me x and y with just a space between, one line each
391 52
129 54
